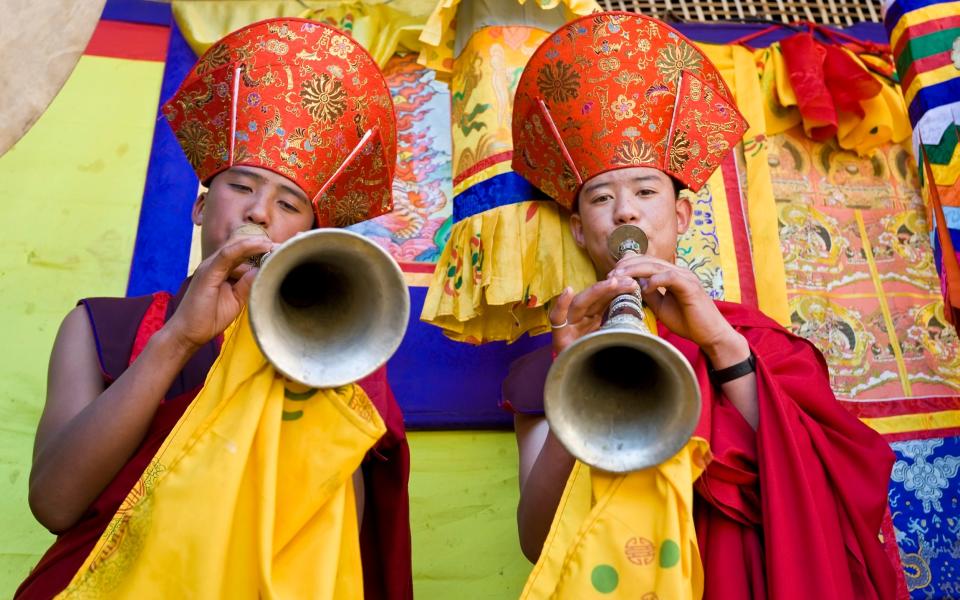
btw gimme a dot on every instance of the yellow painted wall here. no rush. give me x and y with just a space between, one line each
70 195
463 498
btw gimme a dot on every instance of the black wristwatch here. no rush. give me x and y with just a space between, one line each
719 377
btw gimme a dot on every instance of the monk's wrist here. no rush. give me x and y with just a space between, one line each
173 346
727 350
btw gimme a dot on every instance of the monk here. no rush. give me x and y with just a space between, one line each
123 370
790 502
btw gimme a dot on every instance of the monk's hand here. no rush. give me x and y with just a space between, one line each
575 315
218 291
678 300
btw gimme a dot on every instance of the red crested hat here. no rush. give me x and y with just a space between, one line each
301 99
614 90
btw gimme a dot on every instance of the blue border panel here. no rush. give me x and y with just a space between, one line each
444 384
725 33
499 190
146 12
932 96
162 250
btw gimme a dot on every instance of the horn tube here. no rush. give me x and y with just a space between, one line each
621 399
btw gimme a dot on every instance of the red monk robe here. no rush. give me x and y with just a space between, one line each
121 328
793 509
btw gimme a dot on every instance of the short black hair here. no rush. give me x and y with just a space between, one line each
678 186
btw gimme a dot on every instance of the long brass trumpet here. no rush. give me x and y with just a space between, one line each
621 399
328 307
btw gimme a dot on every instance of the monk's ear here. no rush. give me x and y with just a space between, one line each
684 212
197 214
576 228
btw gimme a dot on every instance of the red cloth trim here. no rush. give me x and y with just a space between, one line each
848 82
905 406
410 267
804 59
133 41
826 81
923 434
152 322
741 231
483 164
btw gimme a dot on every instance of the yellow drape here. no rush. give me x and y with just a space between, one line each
439 32
736 65
381 27
625 535
251 495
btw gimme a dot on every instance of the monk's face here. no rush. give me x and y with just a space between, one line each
639 196
243 195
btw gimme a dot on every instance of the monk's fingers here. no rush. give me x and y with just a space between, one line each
561 306
593 301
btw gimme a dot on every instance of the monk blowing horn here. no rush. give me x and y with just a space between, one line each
621 399
328 307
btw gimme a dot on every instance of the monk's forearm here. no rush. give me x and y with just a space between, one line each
81 459
541 495
742 391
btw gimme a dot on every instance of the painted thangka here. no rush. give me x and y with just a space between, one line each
861 280
417 228
862 285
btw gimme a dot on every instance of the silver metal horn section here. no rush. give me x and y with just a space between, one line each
620 399
328 307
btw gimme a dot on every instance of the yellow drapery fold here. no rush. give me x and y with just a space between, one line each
251 495
439 32
383 28
626 535
736 65
501 265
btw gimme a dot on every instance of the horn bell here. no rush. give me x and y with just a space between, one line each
622 400
329 307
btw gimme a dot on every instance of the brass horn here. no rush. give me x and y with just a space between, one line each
328 307
621 399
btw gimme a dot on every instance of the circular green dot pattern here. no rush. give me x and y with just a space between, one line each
669 554
604 578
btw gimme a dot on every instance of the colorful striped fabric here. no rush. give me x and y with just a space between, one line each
925 37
